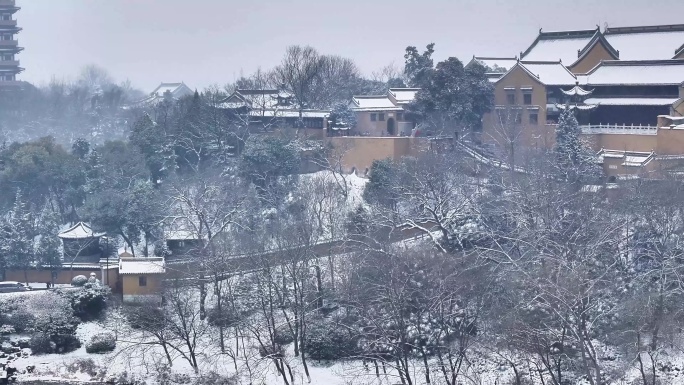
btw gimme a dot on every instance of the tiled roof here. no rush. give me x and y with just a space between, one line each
631 101
646 45
645 72
404 95
141 266
549 73
493 62
561 45
379 102
79 231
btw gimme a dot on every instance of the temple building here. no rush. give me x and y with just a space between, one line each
9 46
383 115
267 110
625 85
165 91
81 244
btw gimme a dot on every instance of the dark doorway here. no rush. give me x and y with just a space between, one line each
390 127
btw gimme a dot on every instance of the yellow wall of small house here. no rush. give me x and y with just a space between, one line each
591 59
365 126
539 135
64 276
130 284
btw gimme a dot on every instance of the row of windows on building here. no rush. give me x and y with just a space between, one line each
8 77
527 98
6 57
380 117
7 36
6 16
516 117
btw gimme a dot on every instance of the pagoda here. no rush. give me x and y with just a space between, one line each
9 47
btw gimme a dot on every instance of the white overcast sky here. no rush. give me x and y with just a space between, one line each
205 42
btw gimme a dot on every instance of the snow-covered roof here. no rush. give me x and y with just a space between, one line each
291 113
564 50
549 73
560 45
180 235
79 231
404 95
646 42
496 62
645 72
139 266
373 103
631 158
577 91
632 101
177 90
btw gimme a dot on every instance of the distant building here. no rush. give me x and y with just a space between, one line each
9 46
141 278
81 244
383 115
165 91
628 78
266 110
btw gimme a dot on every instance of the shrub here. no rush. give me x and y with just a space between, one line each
41 344
283 336
21 319
90 301
79 280
328 340
7 329
101 343
228 318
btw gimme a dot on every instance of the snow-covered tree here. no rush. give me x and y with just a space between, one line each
575 161
48 253
17 237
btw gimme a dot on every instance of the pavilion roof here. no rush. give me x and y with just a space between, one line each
79 231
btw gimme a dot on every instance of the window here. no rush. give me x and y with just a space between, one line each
400 116
374 117
381 117
518 117
510 98
534 118
6 16
527 98
142 280
181 244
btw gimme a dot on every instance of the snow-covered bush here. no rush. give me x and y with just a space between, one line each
101 343
89 301
41 344
283 336
21 319
7 329
327 340
53 320
79 280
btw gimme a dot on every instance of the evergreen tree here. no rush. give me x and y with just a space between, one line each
17 236
418 67
574 161
47 250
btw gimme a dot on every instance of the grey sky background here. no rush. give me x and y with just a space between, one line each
205 42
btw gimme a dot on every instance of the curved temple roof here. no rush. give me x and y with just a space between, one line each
79 231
